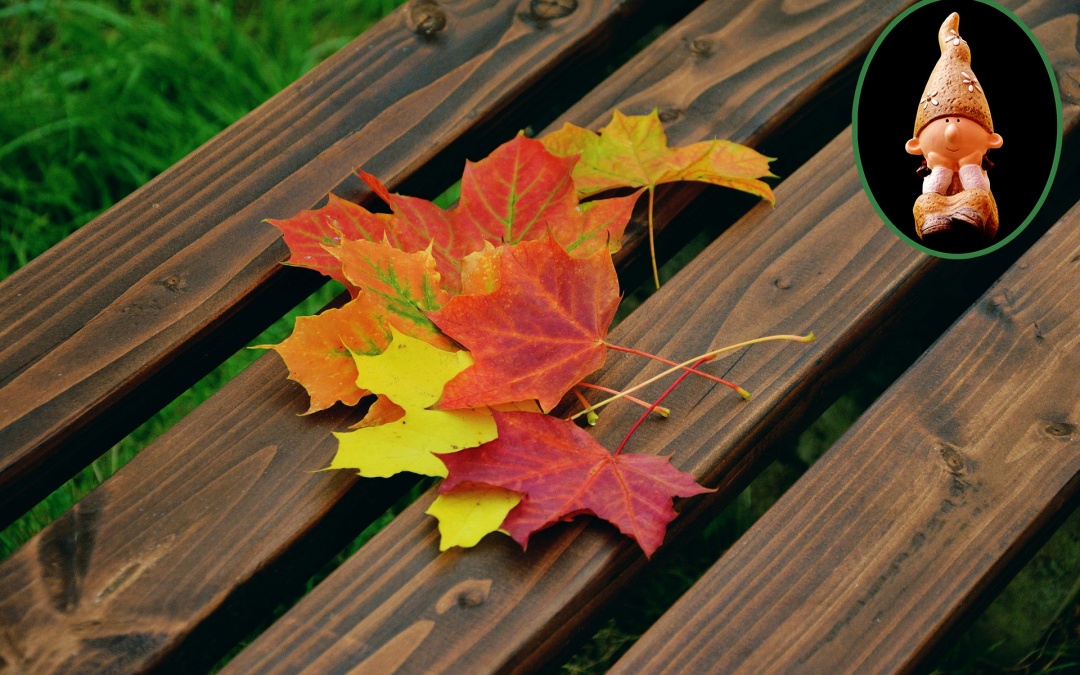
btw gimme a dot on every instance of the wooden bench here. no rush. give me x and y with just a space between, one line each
882 548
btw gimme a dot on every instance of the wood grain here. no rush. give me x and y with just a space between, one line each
868 560
110 324
822 260
209 583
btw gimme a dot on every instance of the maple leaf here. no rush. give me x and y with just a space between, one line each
603 225
632 151
418 224
399 286
411 373
318 354
539 333
468 514
517 192
562 471
520 192
309 233
480 271
382 411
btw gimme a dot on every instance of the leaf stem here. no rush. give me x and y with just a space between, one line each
742 392
581 398
658 401
591 417
652 241
664 412
716 352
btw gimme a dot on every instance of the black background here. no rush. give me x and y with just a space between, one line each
1017 87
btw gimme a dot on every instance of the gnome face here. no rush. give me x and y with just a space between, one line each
953 142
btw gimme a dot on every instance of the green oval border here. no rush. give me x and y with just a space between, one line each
858 158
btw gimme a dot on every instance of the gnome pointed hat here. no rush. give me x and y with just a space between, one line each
953 89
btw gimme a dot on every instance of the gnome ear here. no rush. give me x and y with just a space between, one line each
994 141
912 146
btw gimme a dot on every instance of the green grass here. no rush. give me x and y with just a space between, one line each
98 97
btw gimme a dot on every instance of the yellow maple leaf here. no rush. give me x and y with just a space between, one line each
632 151
466 516
411 373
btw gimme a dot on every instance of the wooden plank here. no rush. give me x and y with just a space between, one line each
881 547
822 260
121 316
293 517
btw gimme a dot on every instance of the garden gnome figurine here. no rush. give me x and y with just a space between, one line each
953 131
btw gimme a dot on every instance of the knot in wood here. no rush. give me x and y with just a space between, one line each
427 18
999 306
953 459
173 283
668 115
545 10
701 46
1060 429
468 593
474 597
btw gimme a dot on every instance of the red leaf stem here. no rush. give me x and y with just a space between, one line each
581 398
657 402
633 399
669 362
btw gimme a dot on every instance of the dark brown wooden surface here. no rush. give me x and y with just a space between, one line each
192 538
127 312
822 260
865 563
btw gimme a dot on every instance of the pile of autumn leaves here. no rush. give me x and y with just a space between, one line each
520 274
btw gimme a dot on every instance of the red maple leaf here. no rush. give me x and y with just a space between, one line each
418 223
518 192
562 471
521 192
602 226
309 233
538 334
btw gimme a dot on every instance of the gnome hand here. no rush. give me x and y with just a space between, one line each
972 176
938 181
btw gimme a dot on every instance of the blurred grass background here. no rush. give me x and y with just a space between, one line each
99 96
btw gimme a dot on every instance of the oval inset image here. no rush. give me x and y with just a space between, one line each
957 127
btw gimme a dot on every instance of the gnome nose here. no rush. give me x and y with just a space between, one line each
952 133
